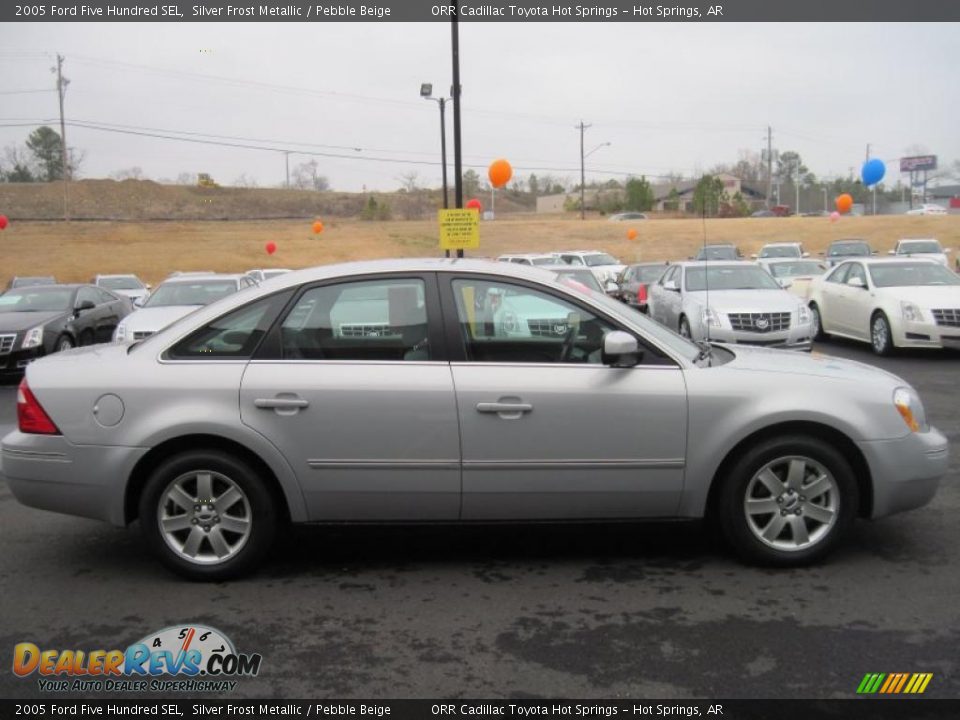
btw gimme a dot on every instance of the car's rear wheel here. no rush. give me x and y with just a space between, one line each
881 339
208 515
787 501
64 342
817 323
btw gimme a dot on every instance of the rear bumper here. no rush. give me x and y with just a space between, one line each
50 473
906 472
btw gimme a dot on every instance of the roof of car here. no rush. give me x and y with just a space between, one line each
783 243
714 263
204 277
114 275
527 255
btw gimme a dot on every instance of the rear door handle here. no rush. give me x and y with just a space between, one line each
280 403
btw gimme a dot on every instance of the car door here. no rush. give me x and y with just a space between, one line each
546 430
353 387
114 307
854 303
831 292
671 301
87 323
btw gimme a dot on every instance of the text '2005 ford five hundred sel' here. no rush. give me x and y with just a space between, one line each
458 391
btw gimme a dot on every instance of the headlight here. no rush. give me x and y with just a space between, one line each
710 318
803 315
911 313
120 334
910 408
33 338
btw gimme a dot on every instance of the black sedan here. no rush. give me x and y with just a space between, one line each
37 321
634 281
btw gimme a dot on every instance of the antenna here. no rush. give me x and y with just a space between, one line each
706 267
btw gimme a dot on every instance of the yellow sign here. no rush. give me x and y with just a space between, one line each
459 229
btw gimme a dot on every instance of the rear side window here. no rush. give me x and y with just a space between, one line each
234 335
381 320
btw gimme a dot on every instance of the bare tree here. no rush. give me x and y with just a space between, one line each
306 177
245 181
186 178
130 173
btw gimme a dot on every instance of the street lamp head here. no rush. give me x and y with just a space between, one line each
426 90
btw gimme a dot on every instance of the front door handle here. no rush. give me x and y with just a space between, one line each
282 403
506 410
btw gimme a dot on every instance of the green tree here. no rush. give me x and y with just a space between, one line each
707 194
639 195
47 149
533 185
471 184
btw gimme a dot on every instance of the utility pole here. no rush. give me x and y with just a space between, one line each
457 154
769 162
62 83
583 206
286 157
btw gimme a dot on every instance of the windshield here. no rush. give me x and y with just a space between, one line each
780 251
49 299
579 279
127 282
849 249
920 246
729 277
794 269
600 259
912 274
27 281
200 292
546 260
721 252
648 273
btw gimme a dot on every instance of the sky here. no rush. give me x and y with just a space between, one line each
667 97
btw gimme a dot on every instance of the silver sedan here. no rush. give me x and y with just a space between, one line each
392 391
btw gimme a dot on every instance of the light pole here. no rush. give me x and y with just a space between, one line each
824 200
583 157
426 92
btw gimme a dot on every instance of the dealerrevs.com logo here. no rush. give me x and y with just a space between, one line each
198 658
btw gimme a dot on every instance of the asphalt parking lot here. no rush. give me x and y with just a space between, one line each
654 610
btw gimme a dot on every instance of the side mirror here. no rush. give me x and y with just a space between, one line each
754 256
806 254
620 349
856 282
891 252
138 302
671 285
148 286
85 305
785 283
611 287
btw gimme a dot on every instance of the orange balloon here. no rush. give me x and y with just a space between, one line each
632 234
317 227
844 203
499 173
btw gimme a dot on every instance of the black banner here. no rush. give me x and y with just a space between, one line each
854 709
479 11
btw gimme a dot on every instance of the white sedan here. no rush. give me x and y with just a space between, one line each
928 209
889 303
926 248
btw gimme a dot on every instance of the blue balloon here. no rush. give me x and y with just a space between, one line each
873 171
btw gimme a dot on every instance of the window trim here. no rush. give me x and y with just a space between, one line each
271 347
456 346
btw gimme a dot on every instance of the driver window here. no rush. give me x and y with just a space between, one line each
856 271
840 274
501 322
234 335
85 294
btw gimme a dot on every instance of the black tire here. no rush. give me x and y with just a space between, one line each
817 322
64 342
684 328
881 338
743 530
259 503
86 338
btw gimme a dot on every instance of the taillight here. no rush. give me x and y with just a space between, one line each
641 293
31 417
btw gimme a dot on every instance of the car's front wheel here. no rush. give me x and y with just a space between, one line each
787 501
881 339
685 328
64 342
816 323
208 515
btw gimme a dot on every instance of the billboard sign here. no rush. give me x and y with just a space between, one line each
918 162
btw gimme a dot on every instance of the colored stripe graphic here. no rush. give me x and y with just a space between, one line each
894 683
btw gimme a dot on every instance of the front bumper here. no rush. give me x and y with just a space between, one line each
926 334
906 471
14 363
799 337
50 473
